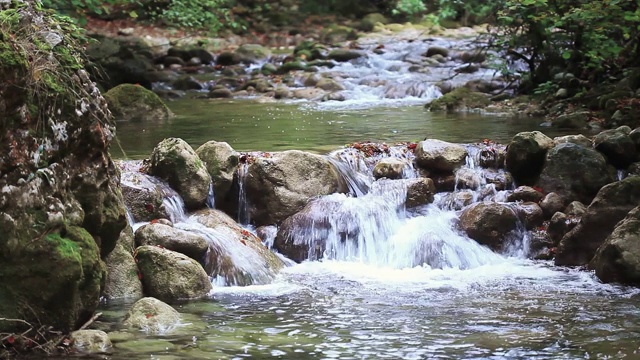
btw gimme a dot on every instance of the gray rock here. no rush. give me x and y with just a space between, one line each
611 205
617 146
390 168
174 161
170 276
170 238
573 139
329 84
558 227
525 194
439 155
531 214
122 272
253 53
281 185
576 120
525 156
551 204
90 341
221 161
574 172
152 316
575 209
489 223
618 259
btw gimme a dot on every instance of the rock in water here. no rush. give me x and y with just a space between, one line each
574 172
61 207
221 162
611 205
281 185
171 276
174 161
122 272
152 315
525 156
489 223
618 259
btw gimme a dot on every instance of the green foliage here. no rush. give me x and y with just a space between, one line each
80 9
466 10
210 15
591 39
409 8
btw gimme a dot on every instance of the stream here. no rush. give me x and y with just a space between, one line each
413 288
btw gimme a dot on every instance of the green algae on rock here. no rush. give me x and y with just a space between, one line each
61 209
134 102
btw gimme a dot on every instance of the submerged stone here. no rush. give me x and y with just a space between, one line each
135 103
152 316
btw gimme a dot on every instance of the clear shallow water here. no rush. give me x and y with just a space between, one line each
511 309
248 125
496 308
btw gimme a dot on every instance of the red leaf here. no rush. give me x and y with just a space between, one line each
149 207
11 339
139 275
148 315
243 242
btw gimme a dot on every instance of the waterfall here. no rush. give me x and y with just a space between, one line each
211 200
371 225
243 208
230 261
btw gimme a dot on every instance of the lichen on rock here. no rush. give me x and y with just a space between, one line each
61 209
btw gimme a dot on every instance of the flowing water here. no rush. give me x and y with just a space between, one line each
384 282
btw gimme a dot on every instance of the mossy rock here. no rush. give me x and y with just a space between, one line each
60 286
459 99
292 66
61 208
334 34
135 103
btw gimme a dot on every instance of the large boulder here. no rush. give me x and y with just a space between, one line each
281 185
221 162
170 276
168 237
574 172
122 272
611 205
135 103
174 161
489 223
439 155
618 259
525 156
235 255
617 146
61 208
152 316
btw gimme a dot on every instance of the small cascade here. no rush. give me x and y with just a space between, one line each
243 208
130 220
174 205
211 200
230 261
621 174
355 165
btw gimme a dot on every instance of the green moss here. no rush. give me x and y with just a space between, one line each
134 102
65 247
458 99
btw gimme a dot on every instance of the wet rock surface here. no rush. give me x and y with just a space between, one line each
60 200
